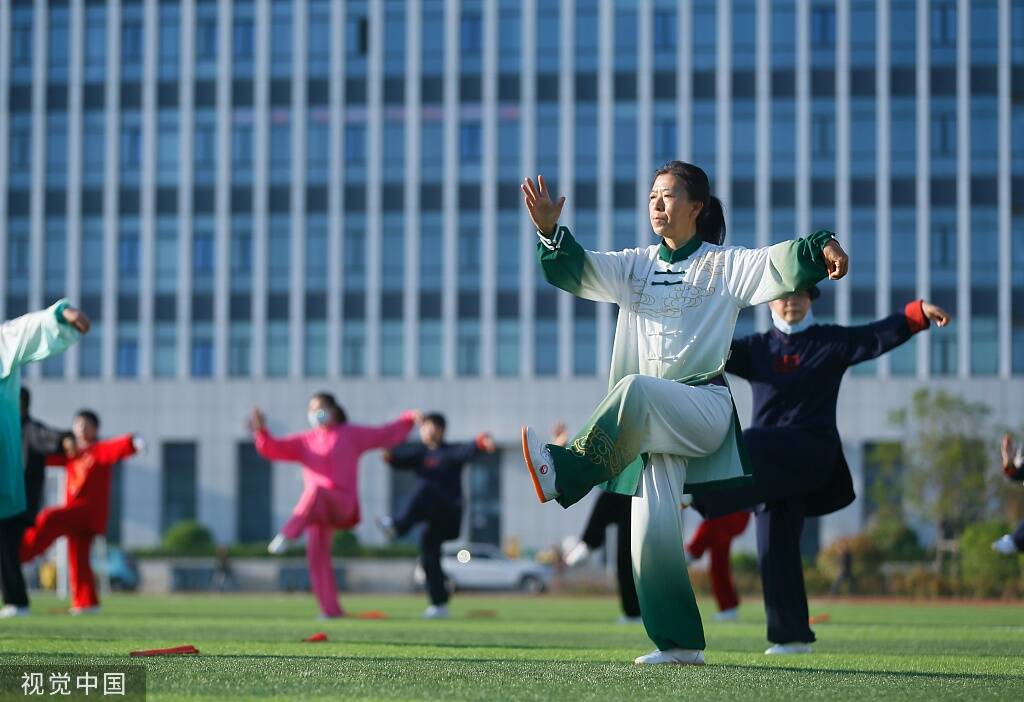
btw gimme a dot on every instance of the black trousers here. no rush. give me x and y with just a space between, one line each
11 577
612 508
443 519
779 527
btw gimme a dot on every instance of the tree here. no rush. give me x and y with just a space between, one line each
948 449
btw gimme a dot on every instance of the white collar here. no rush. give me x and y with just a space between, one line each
787 328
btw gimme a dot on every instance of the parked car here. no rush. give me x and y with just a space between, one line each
485 567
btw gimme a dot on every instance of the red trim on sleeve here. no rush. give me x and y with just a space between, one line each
1010 470
915 316
481 442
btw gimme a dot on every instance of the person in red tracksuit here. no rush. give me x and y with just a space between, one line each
716 535
87 506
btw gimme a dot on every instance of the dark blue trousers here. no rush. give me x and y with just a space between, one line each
443 519
779 526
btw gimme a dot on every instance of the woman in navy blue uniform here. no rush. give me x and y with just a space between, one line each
795 371
436 501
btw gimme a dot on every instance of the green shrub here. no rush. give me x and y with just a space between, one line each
985 572
188 538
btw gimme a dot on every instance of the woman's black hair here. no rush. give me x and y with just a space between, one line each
328 399
711 218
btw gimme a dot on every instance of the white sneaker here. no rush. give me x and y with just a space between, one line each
673 656
625 619
11 611
387 525
1004 545
79 611
788 649
278 545
540 464
728 615
436 612
577 555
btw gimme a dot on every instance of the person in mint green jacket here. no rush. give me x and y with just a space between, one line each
668 425
32 337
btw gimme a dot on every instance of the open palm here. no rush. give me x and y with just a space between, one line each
543 211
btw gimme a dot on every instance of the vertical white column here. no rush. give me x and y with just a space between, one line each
883 167
411 199
111 180
334 197
147 199
763 182
684 79
261 107
186 122
923 174
74 193
1005 138
644 117
722 187
374 223
222 195
843 151
37 198
450 191
605 126
567 164
488 201
296 301
5 73
963 189
528 132
803 118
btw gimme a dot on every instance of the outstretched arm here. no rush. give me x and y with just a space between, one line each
602 277
287 448
386 435
39 335
754 276
111 451
405 456
869 341
43 439
1013 459
483 443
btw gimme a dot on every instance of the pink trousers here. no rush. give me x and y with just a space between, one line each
319 512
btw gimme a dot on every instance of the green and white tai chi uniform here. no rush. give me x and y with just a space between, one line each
31 337
668 425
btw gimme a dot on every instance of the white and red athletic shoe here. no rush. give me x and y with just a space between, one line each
540 465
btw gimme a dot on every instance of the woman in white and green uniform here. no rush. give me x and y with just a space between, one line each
668 425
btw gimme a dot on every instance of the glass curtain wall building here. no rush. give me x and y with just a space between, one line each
254 199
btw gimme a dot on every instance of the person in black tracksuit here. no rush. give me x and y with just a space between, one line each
795 371
37 441
436 501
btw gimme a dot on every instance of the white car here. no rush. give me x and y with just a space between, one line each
485 567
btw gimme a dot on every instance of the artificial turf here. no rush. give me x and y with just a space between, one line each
509 648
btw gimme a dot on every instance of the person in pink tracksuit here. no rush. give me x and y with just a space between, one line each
329 454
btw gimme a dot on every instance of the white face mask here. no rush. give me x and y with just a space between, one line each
787 328
318 418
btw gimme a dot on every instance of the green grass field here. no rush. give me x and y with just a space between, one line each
529 648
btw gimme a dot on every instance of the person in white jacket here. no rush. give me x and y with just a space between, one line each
32 337
668 425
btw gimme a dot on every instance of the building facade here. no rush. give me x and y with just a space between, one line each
256 199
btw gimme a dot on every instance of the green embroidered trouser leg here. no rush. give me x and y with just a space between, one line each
670 421
641 414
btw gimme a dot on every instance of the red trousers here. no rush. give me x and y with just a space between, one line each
717 535
70 521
